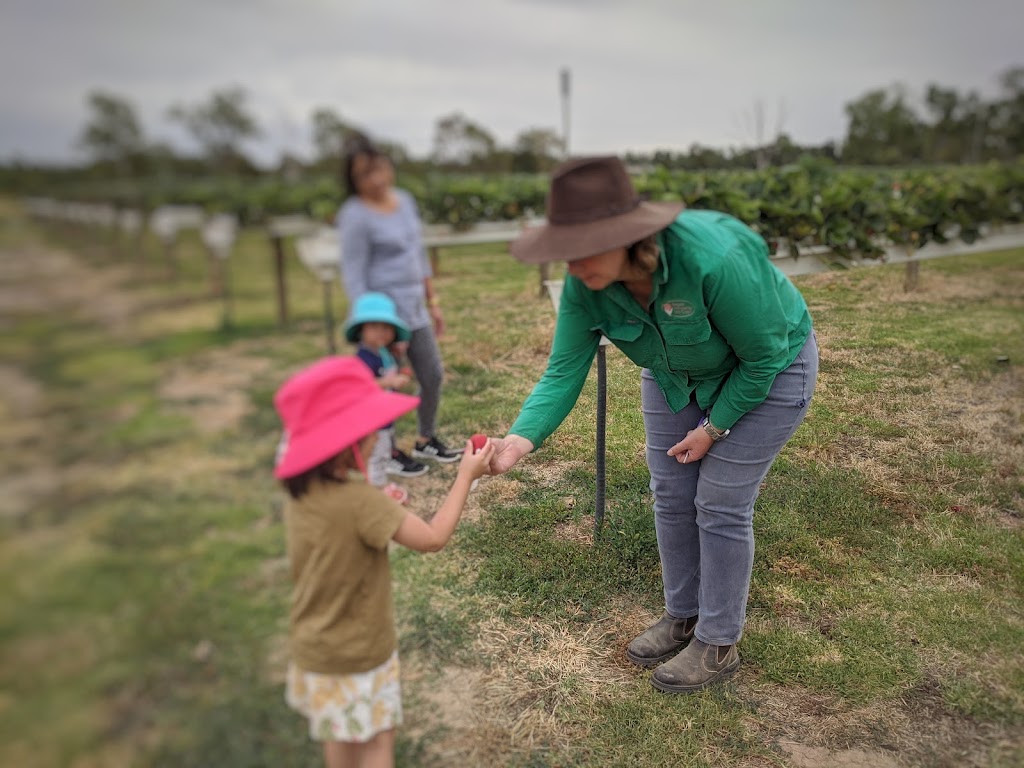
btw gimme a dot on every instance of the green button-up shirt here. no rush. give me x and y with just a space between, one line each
722 322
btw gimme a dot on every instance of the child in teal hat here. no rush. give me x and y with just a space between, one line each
374 326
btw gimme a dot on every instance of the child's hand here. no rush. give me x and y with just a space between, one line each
476 464
394 380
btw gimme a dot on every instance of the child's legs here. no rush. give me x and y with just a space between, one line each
378 752
377 467
341 754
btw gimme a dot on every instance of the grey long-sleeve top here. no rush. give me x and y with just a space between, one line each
384 252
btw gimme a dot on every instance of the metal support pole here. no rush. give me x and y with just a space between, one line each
279 272
602 401
170 259
225 272
329 318
545 275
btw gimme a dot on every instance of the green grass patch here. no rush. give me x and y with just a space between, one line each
145 586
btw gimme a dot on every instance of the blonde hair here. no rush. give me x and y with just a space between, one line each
645 253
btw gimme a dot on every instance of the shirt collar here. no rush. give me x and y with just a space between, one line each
660 276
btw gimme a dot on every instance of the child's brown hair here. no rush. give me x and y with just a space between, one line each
334 470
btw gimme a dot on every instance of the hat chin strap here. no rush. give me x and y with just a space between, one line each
360 464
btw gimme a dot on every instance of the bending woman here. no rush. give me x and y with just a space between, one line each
729 363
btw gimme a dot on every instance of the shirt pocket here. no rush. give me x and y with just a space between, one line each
621 331
694 330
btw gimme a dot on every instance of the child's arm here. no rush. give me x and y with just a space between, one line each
393 380
422 536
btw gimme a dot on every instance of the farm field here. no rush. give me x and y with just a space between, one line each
143 584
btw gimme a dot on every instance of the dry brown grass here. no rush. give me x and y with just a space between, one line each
818 729
983 417
530 690
38 280
212 388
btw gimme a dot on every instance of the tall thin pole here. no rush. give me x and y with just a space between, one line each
602 407
329 318
566 87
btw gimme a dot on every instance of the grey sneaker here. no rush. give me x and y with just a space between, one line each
404 465
661 640
697 667
435 450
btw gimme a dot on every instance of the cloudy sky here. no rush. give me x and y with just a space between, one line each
646 74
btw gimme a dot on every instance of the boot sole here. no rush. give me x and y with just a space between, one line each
647 662
725 674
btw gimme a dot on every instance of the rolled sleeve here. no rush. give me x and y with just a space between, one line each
555 394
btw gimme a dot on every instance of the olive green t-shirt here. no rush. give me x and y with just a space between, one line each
342 615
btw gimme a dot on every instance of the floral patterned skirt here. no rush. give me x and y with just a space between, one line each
347 707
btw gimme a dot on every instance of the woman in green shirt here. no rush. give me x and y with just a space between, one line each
729 363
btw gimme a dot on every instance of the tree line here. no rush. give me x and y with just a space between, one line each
883 128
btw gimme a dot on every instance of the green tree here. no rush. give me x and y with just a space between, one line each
1006 116
458 141
883 130
536 150
113 134
220 125
330 132
958 128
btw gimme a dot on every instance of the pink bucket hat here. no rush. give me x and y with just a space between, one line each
329 406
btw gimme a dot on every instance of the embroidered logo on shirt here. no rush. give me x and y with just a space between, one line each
677 308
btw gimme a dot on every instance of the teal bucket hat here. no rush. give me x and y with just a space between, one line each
374 308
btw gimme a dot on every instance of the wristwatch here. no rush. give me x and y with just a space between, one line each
715 433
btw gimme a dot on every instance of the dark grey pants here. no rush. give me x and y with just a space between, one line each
704 511
425 359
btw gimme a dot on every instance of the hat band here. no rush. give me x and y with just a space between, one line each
593 214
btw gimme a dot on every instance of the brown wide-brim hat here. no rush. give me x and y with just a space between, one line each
592 207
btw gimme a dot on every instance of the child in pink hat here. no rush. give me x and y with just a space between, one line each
343 675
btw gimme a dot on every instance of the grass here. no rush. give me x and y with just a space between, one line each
145 586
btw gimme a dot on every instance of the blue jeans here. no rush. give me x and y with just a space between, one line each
704 511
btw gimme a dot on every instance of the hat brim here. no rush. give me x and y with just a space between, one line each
570 242
353 325
331 436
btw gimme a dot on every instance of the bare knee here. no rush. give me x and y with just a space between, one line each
379 752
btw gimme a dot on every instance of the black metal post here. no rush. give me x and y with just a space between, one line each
602 400
279 272
225 278
329 318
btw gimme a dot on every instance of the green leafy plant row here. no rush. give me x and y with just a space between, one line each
811 203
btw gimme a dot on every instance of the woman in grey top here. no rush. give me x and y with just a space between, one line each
382 250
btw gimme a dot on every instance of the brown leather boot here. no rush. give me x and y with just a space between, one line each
660 641
697 667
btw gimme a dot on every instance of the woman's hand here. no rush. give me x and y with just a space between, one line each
399 349
692 447
507 451
438 318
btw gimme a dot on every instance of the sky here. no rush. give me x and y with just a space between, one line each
645 75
